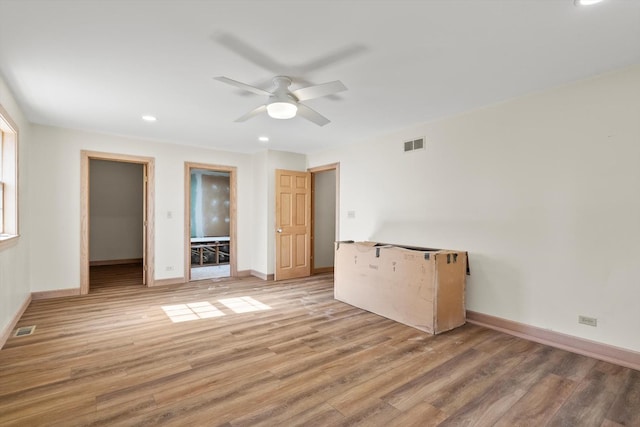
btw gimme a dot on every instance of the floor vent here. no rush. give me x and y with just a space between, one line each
25 330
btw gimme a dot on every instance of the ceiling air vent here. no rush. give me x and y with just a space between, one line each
416 144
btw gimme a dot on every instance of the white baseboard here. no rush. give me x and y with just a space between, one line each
262 276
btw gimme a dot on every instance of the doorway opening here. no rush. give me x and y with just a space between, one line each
324 212
116 216
210 221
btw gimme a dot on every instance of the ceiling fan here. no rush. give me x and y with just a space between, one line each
283 103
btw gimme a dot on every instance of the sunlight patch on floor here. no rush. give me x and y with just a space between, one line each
244 304
205 310
192 311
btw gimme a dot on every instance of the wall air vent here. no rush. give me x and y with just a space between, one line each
415 144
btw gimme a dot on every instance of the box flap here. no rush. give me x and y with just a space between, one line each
428 252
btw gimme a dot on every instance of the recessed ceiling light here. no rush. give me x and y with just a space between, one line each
148 118
263 138
585 2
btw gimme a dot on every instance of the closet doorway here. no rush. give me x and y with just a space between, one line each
210 221
324 214
105 230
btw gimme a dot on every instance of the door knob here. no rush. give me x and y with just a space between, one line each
279 230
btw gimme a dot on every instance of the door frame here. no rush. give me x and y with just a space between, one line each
233 211
148 201
315 170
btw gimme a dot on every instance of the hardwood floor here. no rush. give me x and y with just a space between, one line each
109 276
285 354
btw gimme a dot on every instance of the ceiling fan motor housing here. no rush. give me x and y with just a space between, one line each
282 104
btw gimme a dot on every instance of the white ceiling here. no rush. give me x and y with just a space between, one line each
101 65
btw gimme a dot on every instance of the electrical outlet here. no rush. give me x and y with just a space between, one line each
589 321
169 268
351 214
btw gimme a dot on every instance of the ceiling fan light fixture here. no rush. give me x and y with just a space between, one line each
282 110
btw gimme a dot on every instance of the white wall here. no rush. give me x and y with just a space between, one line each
324 233
259 217
55 165
14 266
115 210
543 191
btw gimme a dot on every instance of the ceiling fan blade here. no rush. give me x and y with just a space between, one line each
243 86
317 91
252 113
312 115
331 58
250 53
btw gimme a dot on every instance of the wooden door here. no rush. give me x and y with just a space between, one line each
293 224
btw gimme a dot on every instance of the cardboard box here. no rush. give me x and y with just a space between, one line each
420 287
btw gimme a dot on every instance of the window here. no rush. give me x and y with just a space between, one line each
8 178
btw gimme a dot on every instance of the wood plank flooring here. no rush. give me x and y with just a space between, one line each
253 353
